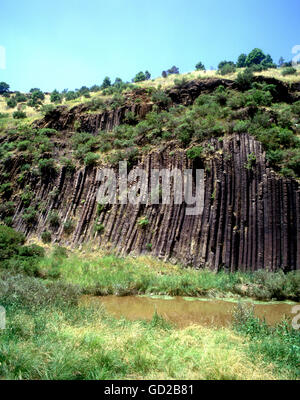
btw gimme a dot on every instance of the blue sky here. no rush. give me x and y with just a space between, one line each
69 43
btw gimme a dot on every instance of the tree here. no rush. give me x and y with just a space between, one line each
241 62
173 70
147 75
267 62
227 69
34 90
106 83
281 61
20 97
11 103
223 63
4 87
140 77
55 97
118 82
95 88
256 56
36 97
200 66
71 95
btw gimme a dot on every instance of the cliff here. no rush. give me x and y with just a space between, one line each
251 215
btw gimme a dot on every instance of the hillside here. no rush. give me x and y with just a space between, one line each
243 131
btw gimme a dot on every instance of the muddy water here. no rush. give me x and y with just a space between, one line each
186 311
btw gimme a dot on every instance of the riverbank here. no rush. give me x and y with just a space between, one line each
101 274
49 335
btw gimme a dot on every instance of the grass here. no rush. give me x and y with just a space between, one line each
51 334
279 344
100 274
55 338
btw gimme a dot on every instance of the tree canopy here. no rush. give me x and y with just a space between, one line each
200 66
4 87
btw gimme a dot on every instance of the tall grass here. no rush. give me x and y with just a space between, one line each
109 274
279 344
62 340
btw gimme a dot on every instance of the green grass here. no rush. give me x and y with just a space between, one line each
108 274
49 336
279 344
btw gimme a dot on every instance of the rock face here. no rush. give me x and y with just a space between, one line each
251 216
250 220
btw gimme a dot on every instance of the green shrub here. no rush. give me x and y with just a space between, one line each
20 97
91 159
289 71
11 103
256 56
68 227
227 69
180 82
141 76
244 79
55 97
98 227
10 241
19 115
24 145
26 197
106 83
47 132
100 208
53 219
287 172
251 161
117 101
160 98
7 209
46 237
241 126
143 222
96 104
257 97
6 190
46 109
47 166
29 215
68 164
195 152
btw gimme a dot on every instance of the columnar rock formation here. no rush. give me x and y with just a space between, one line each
250 220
